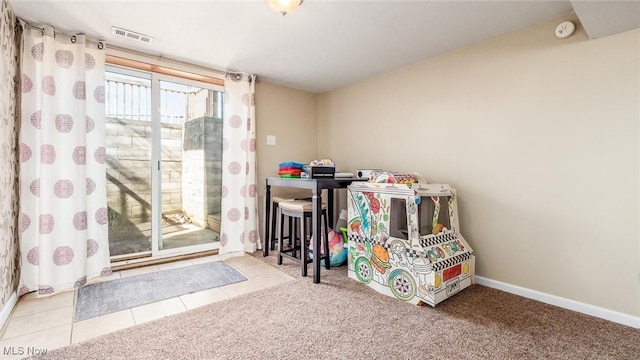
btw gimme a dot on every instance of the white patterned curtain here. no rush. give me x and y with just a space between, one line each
63 206
239 228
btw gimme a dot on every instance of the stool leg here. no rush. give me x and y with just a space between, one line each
282 226
291 236
293 233
327 255
280 241
303 247
274 214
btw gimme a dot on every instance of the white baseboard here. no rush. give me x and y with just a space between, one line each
7 308
569 304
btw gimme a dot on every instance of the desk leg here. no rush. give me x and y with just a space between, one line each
317 213
328 224
267 210
330 193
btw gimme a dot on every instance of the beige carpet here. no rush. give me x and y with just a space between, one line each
342 319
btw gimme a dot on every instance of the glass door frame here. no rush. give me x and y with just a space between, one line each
146 254
156 171
156 168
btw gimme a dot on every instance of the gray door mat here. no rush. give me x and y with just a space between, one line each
120 294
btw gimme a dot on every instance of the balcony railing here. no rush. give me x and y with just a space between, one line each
130 99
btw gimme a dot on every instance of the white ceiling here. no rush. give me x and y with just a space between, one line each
322 45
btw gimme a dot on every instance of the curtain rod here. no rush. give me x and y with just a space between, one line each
24 23
236 73
133 52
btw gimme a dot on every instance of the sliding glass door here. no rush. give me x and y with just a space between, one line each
128 143
164 149
190 164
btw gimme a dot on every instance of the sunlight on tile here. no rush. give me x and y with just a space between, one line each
37 342
255 283
39 321
157 310
204 297
242 287
45 323
257 270
275 278
28 307
239 262
90 328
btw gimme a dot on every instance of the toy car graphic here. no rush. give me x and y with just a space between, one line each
404 241
380 258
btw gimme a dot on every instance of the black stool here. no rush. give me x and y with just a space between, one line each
299 211
275 200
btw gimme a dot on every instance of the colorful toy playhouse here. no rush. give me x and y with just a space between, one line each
404 239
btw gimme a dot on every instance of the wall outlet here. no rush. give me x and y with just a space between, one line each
271 139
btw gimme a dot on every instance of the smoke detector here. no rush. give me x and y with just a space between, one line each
132 35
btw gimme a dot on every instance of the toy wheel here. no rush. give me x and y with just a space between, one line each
363 270
402 285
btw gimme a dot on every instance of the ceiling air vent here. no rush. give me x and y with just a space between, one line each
131 35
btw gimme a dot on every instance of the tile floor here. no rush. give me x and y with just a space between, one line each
47 322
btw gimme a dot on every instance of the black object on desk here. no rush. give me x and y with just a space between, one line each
319 172
316 186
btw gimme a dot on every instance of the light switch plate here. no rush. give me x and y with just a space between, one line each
271 139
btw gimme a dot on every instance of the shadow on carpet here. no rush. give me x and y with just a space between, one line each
120 294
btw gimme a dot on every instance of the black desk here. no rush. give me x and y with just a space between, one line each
316 186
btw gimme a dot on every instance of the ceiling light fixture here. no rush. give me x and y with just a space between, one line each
284 6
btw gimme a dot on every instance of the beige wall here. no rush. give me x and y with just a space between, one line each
291 116
541 138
